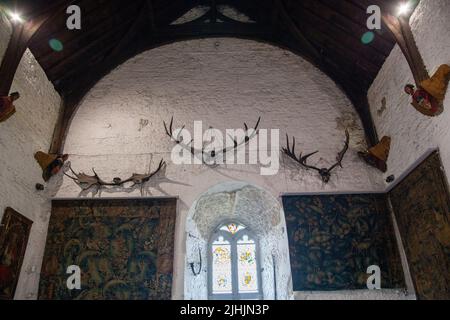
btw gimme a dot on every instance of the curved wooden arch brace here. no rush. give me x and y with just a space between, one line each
22 34
401 30
78 86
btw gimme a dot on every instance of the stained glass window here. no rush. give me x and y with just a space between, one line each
234 263
221 263
232 228
247 272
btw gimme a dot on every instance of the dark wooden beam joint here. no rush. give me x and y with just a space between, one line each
21 36
151 15
295 31
14 52
401 30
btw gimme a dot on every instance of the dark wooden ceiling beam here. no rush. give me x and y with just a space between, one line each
401 30
311 50
84 38
72 65
174 32
132 31
332 14
327 31
96 19
261 13
354 17
151 14
166 14
21 37
308 26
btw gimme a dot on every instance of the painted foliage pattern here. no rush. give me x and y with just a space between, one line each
421 204
334 238
123 247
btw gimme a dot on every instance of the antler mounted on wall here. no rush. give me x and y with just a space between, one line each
86 181
325 173
213 154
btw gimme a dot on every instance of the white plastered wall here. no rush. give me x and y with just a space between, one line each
30 129
413 133
118 128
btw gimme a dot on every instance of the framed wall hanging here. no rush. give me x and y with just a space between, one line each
14 234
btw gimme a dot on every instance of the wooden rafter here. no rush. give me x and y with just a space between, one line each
297 33
151 14
21 37
324 32
401 30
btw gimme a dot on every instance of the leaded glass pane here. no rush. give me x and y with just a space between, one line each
232 228
221 268
247 269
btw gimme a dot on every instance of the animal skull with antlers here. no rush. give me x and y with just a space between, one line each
213 154
87 181
325 173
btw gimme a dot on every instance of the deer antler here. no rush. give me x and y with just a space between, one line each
87 181
138 179
213 153
342 153
325 173
84 180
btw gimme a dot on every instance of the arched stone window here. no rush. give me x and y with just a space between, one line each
234 268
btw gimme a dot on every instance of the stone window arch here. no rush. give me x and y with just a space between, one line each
234 263
262 214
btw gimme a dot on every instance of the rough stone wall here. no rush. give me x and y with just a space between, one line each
223 82
413 133
30 129
261 213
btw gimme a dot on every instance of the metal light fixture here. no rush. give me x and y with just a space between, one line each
404 8
15 17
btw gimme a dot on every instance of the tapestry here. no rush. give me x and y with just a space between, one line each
333 239
421 204
124 249
14 233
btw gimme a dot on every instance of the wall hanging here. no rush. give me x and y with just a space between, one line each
378 155
421 203
14 233
325 173
124 248
50 164
86 181
209 157
333 239
7 108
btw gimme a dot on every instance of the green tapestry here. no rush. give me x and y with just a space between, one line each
421 204
333 239
124 249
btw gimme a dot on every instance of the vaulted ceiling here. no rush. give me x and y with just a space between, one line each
326 32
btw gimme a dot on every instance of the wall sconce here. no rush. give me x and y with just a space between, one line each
192 264
15 17
404 9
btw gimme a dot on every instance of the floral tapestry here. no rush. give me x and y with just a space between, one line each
14 233
333 239
421 204
124 249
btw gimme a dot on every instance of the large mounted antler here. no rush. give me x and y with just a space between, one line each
325 173
213 154
87 181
